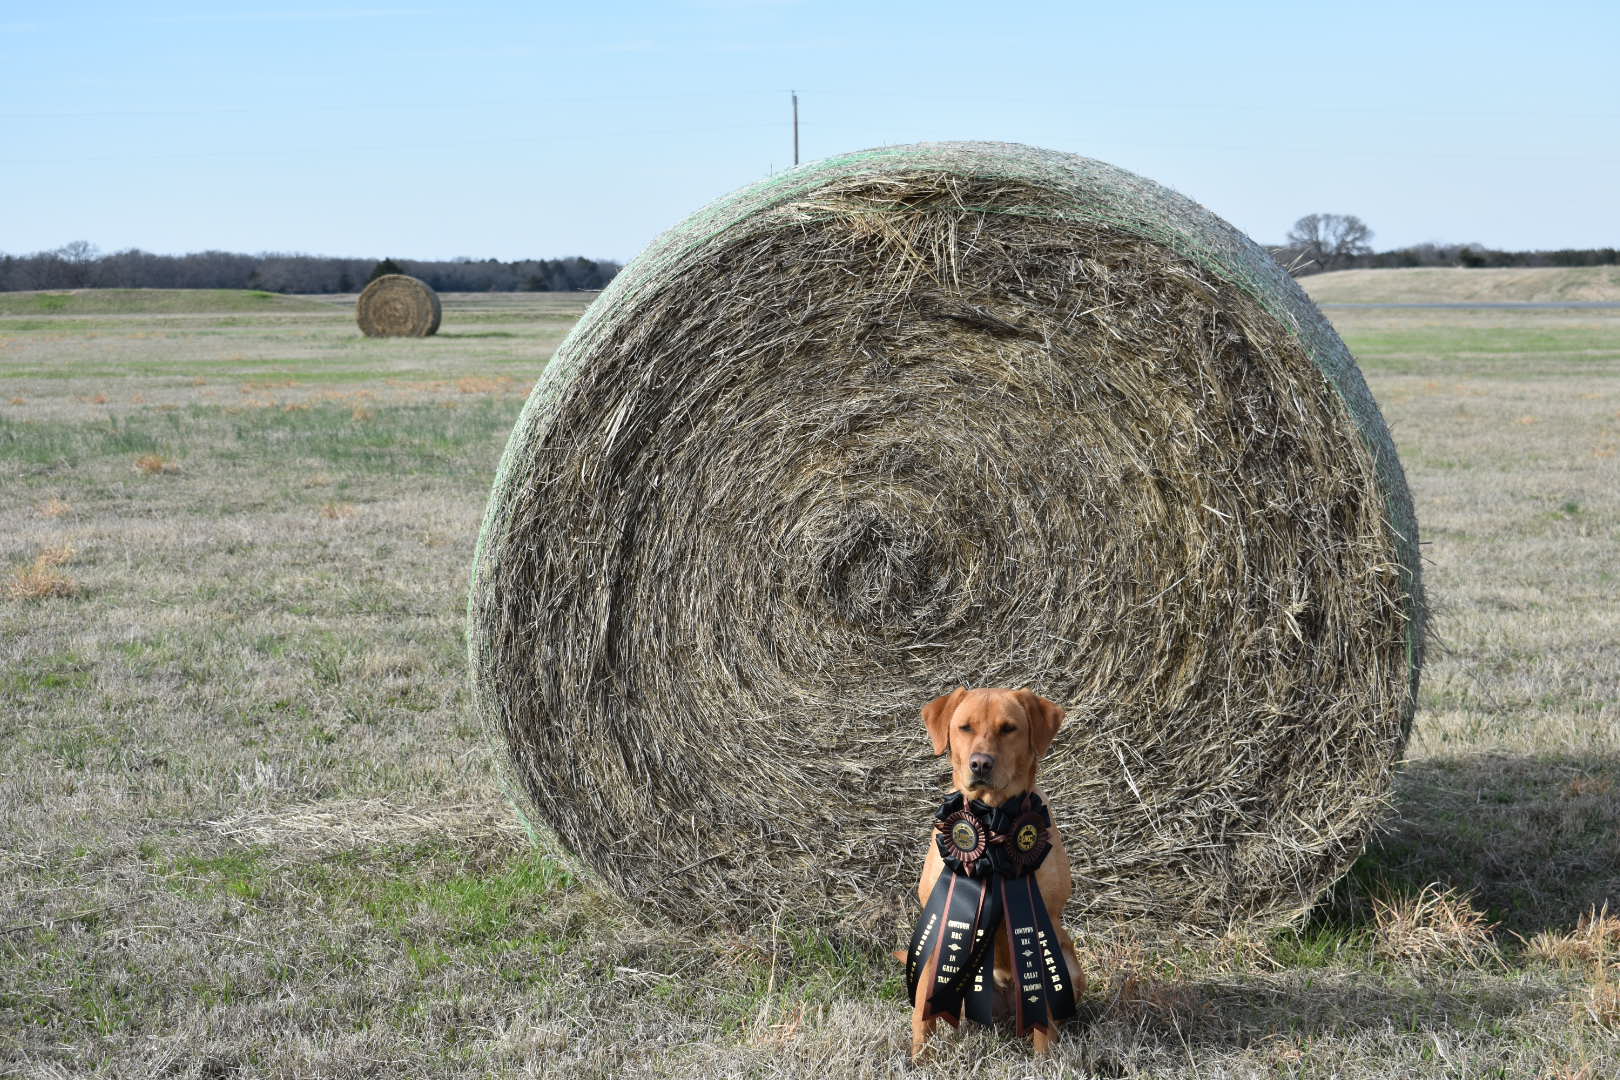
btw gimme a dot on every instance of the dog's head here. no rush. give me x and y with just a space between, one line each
995 737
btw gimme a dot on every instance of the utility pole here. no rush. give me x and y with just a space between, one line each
795 94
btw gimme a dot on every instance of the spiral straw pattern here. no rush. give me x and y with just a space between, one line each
397 305
934 415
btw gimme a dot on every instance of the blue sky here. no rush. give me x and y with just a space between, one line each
514 130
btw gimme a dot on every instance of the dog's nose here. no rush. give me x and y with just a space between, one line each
981 764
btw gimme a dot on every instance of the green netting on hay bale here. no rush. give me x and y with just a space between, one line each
398 305
961 413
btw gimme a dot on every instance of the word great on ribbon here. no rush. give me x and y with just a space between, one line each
991 854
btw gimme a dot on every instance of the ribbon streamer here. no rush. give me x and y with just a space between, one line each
981 895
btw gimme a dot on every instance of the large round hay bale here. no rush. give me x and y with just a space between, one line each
935 415
397 305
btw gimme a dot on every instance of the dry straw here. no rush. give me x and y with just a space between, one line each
940 414
397 305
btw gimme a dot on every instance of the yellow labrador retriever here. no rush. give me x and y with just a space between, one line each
990 842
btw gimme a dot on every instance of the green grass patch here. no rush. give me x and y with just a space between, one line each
244 874
54 673
425 889
523 918
51 442
479 908
332 360
393 440
1510 351
153 302
1320 945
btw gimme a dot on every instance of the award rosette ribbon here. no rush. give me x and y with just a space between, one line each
989 889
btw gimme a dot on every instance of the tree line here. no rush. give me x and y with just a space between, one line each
1477 255
1321 242
1317 243
80 265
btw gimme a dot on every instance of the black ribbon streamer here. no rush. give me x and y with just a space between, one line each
992 891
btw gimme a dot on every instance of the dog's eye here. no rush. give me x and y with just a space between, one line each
1008 729
965 727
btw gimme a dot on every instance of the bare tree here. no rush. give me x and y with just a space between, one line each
1329 240
80 258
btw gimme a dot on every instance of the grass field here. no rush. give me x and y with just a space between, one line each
247 829
156 302
1443 285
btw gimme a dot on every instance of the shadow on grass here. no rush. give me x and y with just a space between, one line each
1245 1012
1534 839
1295 1013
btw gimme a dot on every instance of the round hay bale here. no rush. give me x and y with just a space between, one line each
397 305
933 415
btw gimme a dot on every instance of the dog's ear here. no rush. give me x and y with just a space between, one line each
937 717
1045 717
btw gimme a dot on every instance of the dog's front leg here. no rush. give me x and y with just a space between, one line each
1003 972
920 1025
1077 977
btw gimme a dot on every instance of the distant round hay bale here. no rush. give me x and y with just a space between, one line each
397 305
935 415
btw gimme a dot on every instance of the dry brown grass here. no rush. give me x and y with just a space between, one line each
337 511
1593 948
1437 925
359 824
1591 785
1583 1070
484 385
156 465
55 507
1599 1003
43 577
1595 940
